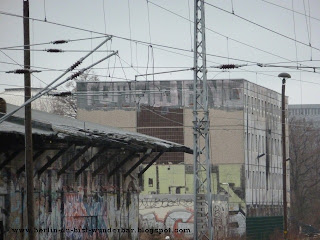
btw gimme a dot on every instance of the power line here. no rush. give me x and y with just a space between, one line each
174 67
275 76
53 42
261 26
73 76
130 30
144 42
56 50
20 65
134 68
227 37
294 31
291 10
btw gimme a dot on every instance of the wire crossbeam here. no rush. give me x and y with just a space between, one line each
203 226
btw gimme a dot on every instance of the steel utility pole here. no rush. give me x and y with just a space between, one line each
203 227
27 123
284 76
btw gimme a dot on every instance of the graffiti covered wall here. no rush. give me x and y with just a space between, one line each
70 208
174 213
227 181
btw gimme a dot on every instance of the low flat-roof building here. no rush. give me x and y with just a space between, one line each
86 177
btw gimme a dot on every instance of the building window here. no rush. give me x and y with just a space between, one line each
259 149
150 182
235 93
252 105
105 91
167 92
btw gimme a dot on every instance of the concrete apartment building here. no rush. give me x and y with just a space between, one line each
245 136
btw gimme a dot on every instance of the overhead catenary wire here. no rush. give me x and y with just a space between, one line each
134 68
45 10
20 65
167 67
310 29
310 26
261 26
55 50
307 26
41 93
143 42
47 88
190 25
104 17
222 35
294 31
277 5
157 73
124 73
270 64
61 41
130 30
219 72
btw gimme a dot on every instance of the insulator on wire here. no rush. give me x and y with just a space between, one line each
61 94
75 75
53 50
23 71
60 41
228 66
76 64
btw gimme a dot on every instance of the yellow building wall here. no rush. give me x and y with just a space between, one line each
172 176
226 136
116 118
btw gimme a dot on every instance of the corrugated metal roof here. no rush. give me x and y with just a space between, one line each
61 128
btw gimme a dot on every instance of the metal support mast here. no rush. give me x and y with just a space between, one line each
203 226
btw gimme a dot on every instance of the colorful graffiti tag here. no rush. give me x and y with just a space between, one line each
175 212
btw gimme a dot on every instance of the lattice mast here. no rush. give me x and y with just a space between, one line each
203 223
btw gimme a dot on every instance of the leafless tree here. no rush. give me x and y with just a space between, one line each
66 105
304 140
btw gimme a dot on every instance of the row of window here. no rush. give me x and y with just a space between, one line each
305 111
258 143
260 107
259 180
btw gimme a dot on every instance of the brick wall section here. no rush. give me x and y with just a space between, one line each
165 123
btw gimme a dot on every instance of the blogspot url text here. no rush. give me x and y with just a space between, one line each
102 230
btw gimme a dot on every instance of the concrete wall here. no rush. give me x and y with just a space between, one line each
69 208
175 212
263 151
227 180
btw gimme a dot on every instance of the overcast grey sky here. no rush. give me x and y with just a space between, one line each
150 21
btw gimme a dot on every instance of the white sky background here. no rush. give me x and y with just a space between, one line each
170 30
